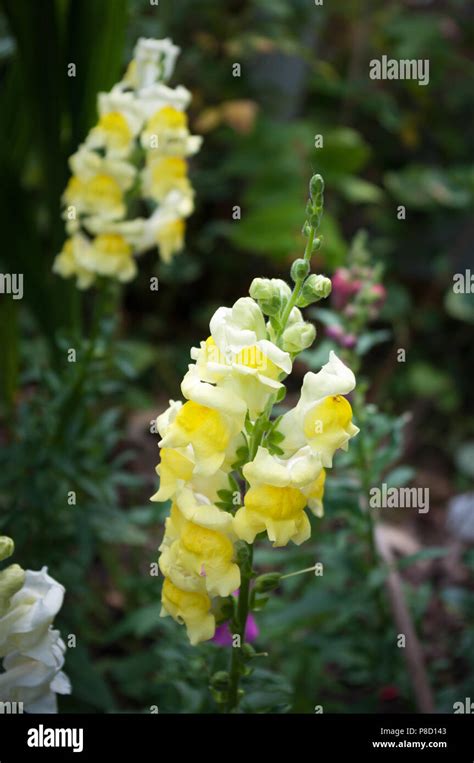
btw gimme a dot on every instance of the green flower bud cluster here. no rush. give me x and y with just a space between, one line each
272 294
315 205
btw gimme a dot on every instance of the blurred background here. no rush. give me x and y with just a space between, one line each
304 73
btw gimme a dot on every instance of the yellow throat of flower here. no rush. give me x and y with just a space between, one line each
116 129
184 600
167 118
206 543
195 419
275 502
112 245
332 414
102 191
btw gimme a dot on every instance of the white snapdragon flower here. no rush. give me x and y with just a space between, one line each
33 651
154 60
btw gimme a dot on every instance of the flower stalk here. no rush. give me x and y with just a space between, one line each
224 430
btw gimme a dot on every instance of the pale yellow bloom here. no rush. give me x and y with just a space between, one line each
170 239
191 608
100 196
97 185
175 468
113 133
166 133
277 510
163 176
238 357
322 417
208 430
196 557
67 264
280 489
108 255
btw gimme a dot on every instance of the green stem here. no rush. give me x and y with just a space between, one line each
106 300
236 659
298 285
366 479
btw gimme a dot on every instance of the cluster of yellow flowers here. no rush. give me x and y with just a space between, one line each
137 150
223 433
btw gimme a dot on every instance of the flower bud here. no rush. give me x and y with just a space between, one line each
261 288
7 547
267 582
271 294
299 270
314 288
316 186
220 680
11 580
298 337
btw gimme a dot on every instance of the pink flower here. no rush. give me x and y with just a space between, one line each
337 333
344 286
379 292
223 635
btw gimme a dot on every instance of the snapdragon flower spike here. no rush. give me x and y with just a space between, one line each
139 149
223 436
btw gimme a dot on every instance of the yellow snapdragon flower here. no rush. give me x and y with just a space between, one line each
164 175
238 357
166 133
110 168
322 417
279 491
120 121
105 255
198 557
191 608
67 262
209 429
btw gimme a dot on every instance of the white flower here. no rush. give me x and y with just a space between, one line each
154 60
87 164
33 652
152 99
120 120
116 101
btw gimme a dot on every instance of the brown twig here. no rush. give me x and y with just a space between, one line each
413 652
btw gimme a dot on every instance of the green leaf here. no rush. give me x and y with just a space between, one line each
427 553
399 476
370 339
95 43
464 457
359 191
459 305
427 188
